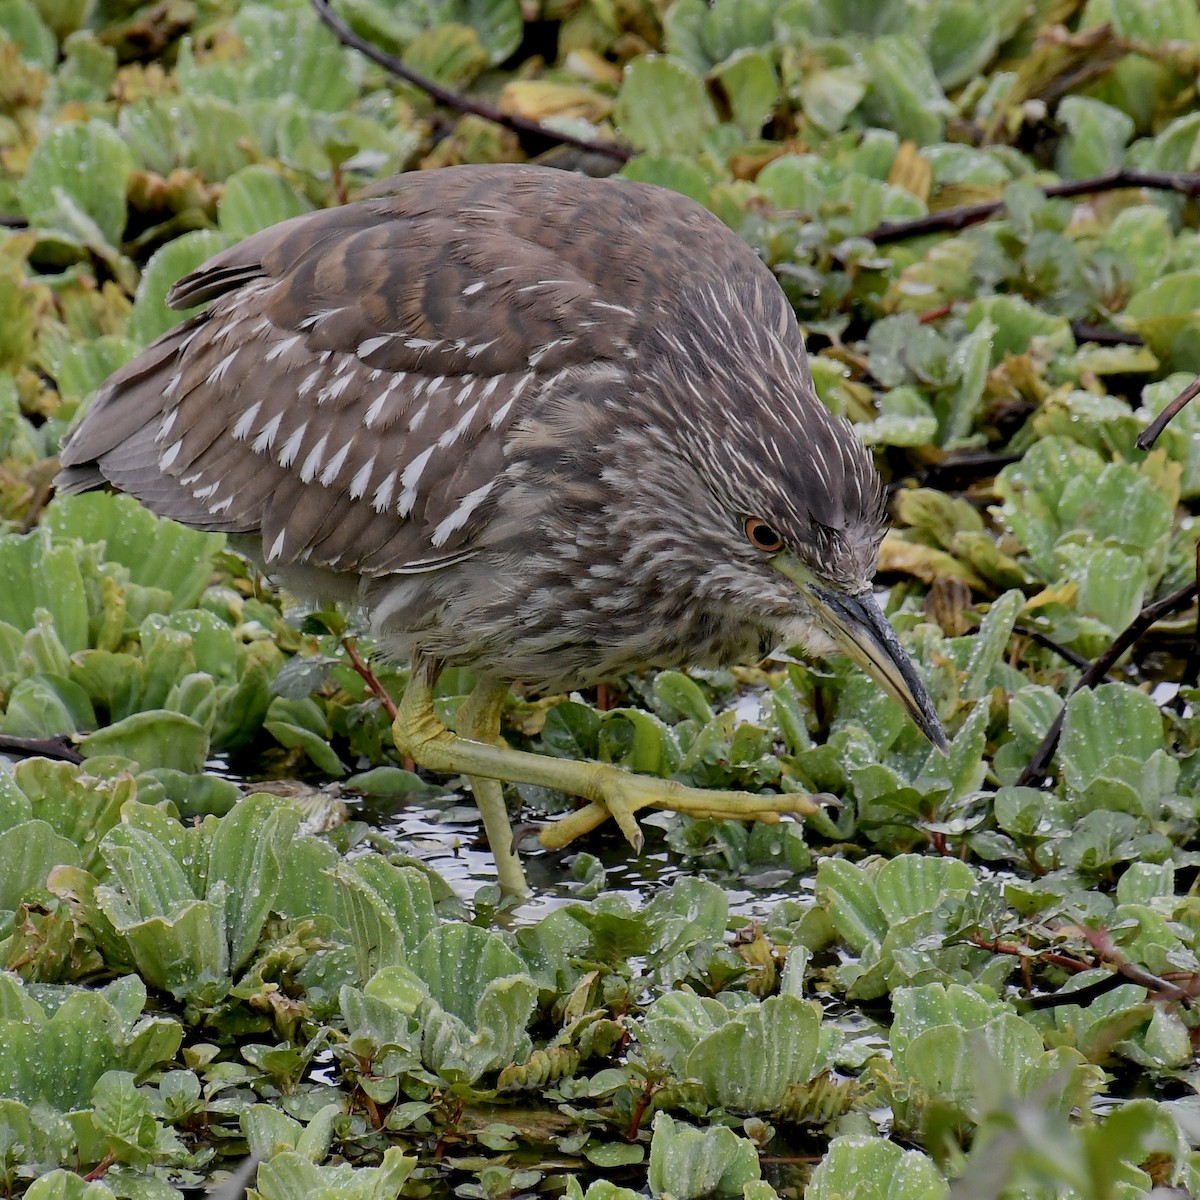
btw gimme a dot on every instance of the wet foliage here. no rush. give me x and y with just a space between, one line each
975 976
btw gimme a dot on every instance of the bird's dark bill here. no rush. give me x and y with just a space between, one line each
858 625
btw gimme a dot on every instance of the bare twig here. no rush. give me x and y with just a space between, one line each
1149 435
538 137
1102 335
1034 774
950 220
350 645
59 748
1065 652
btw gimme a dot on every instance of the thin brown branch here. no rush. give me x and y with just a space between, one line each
1034 774
1102 942
350 645
1103 335
1064 652
951 220
536 137
1150 434
59 748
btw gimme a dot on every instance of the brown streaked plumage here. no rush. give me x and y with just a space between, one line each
523 417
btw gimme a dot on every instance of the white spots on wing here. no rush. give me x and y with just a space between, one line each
335 389
277 546
459 427
283 347
383 493
458 518
537 285
370 345
221 506
472 288
308 383
334 465
172 385
205 492
409 481
372 414
165 425
490 387
502 412
422 344
320 315
617 308
541 352
241 431
170 454
266 435
362 479
465 390
479 348
218 372
312 461
418 418
291 447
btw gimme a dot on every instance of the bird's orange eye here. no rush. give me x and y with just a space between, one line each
762 536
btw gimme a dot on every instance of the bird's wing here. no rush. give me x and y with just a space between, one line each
348 390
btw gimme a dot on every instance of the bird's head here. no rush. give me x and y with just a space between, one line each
794 522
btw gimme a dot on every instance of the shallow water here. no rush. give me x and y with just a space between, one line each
446 832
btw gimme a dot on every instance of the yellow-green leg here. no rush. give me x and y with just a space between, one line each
612 791
479 721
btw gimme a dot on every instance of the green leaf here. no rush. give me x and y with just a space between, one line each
21 24
78 168
157 552
688 1163
254 198
405 893
156 738
28 853
1103 723
748 81
301 724
871 1167
904 94
1096 137
247 856
458 962
663 106
1167 314
290 53
847 894
910 884
151 316
67 1185
961 40
748 1063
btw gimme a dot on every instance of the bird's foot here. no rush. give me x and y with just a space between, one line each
476 751
619 794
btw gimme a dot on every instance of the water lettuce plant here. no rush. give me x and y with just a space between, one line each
231 956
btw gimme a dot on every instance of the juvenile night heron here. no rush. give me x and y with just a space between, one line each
551 427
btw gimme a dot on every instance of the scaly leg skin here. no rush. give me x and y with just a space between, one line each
612 791
479 721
